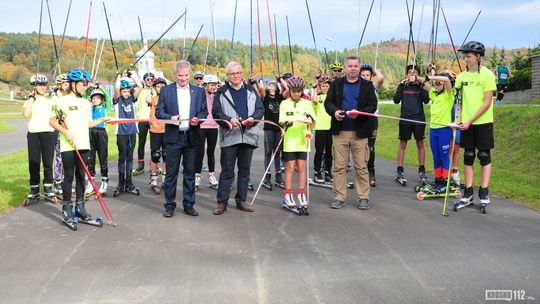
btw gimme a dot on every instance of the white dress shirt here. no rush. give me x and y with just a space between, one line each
184 104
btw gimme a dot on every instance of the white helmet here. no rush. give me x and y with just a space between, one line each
198 73
210 78
38 79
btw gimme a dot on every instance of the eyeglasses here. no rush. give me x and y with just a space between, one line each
235 74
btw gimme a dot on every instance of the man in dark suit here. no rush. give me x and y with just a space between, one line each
187 104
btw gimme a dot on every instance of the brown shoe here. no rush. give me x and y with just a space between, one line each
221 208
244 207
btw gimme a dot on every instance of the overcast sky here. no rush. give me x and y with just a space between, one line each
337 23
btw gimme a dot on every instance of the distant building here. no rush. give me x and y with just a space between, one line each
535 69
146 64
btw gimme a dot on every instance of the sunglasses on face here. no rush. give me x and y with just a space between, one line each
198 78
149 79
336 71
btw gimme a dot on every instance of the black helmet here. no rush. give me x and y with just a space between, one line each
473 47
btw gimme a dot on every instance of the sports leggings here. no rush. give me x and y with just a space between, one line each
73 168
440 140
40 149
210 137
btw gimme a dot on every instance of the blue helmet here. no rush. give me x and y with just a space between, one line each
124 84
78 75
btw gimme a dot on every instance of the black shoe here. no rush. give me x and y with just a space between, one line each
190 211
168 213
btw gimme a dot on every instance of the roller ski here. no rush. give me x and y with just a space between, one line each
466 200
138 171
84 217
484 199
48 193
288 203
58 189
154 184
267 182
67 217
437 189
32 197
89 190
197 181
423 177
278 182
250 187
303 205
328 185
400 178
212 180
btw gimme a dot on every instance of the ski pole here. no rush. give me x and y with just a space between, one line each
411 37
142 42
365 25
206 54
378 39
251 36
194 41
233 28
259 36
39 37
99 59
95 55
53 37
313 33
102 203
125 34
451 40
277 46
155 42
271 36
467 36
185 32
110 35
290 47
87 32
62 41
419 30
271 158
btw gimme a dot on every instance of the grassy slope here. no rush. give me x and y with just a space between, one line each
515 157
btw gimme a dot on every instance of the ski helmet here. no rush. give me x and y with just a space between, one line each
146 75
296 82
198 74
124 84
97 92
159 80
78 75
38 79
336 65
473 47
210 78
287 75
366 67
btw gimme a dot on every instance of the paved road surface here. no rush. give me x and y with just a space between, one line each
399 251
16 140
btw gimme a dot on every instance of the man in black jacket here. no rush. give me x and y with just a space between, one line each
350 131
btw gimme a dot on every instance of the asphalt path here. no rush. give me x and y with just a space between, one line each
16 140
399 251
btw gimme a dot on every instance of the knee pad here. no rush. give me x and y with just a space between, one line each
484 156
164 155
468 157
156 154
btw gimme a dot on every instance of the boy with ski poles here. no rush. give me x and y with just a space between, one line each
143 112
41 138
74 112
99 141
157 141
297 116
126 133
323 136
412 97
477 85
367 73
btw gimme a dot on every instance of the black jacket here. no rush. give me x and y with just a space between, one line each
366 103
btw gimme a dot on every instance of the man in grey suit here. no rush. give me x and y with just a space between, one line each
187 104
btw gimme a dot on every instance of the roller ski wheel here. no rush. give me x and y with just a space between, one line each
31 200
420 195
462 204
250 187
350 185
134 190
304 210
51 199
303 206
215 187
156 189
294 209
267 185
401 181
280 185
372 183
137 171
483 208
118 190
68 217
98 222
312 182
417 188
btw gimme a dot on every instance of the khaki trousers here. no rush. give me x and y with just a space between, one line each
344 144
